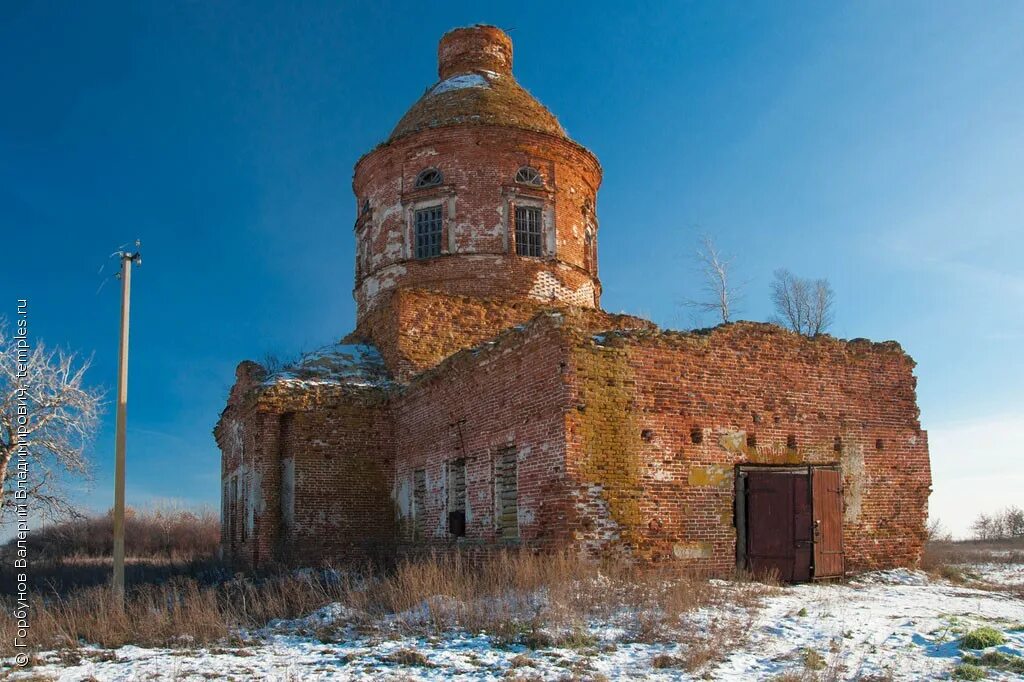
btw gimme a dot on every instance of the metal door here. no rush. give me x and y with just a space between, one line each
778 524
827 502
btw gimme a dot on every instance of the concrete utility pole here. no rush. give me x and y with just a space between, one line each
127 258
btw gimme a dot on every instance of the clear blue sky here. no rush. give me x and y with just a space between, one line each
878 144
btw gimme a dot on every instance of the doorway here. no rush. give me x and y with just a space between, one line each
789 521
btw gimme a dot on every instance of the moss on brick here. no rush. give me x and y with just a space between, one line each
611 456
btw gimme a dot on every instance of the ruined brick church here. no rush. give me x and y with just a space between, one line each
485 400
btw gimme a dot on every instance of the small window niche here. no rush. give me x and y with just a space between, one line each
457 498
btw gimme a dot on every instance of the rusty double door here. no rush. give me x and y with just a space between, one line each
789 521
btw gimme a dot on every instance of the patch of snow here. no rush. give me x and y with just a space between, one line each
332 365
460 82
890 624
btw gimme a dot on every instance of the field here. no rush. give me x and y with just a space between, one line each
554 618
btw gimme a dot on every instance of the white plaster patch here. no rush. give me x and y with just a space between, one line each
546 287
402 496
853 491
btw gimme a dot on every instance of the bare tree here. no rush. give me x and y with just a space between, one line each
937 532
720 292
1014 522
982 527
47 417
803 305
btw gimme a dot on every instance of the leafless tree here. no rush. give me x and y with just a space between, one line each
1014 522
719 292
803 305
47 418
983 527
937 532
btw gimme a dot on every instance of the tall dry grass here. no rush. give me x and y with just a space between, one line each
536 600
168 533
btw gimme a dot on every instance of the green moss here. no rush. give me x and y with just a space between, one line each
982 638
998 660
609 433
968 671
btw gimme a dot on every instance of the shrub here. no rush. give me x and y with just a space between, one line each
998 660
408 657
813 660
982 638
969 671
662 661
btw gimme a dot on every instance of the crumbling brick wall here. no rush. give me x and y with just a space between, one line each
415 329
306 472
508 394
663 419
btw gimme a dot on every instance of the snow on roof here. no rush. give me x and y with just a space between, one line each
335 364
465 80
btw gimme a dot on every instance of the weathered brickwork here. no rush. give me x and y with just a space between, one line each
313 466
663 419
484 400
478 198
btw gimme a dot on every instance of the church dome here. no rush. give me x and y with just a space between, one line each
476 87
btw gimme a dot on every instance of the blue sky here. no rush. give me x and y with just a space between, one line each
878 144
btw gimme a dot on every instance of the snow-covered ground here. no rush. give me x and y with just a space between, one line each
897 625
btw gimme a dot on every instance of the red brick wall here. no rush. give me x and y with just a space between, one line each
473 405
479 164
343 466
641 397
338 441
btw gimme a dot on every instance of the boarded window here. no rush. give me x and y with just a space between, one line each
528 231
506 494
457 497
419 498
428 232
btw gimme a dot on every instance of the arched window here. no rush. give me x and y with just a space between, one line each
529 176
429 178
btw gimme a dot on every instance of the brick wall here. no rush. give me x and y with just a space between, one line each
474 406
341 459
477 197
663 419
626 441
313 466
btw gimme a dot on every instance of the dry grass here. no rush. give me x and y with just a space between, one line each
516 598
163 532
951 560
948 553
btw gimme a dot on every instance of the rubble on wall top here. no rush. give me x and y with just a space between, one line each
357 365
607 337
